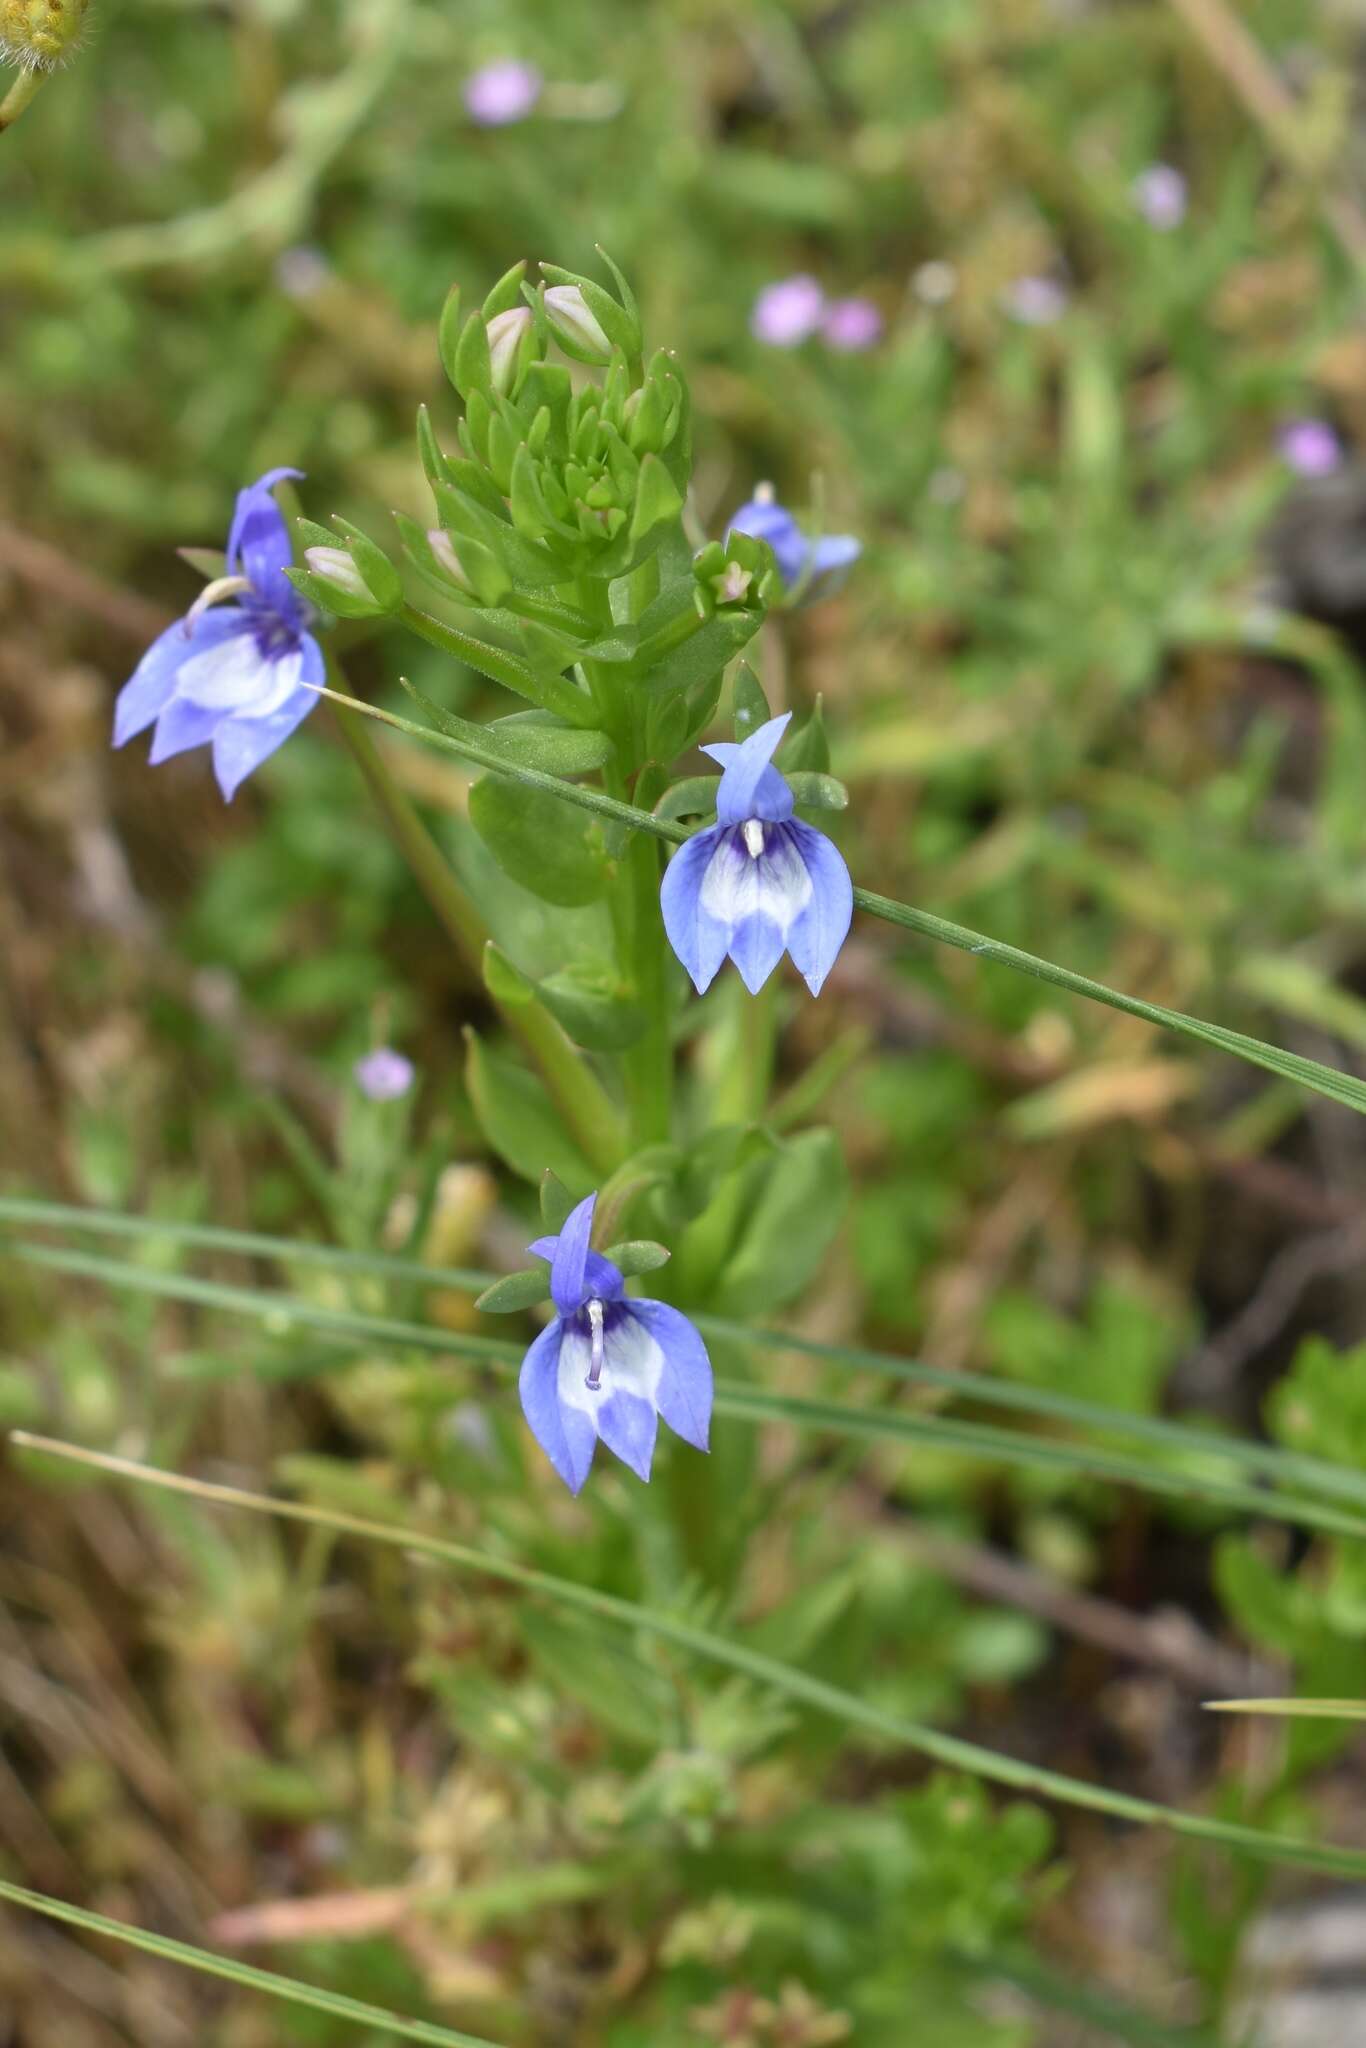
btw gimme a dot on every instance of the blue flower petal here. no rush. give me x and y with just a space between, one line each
569 1266
695 935
756 947
565 1434
820 929
765 519
242 744
685 1386
744 767
832 552
259 546
183 725
628 1425
147 691
601 1279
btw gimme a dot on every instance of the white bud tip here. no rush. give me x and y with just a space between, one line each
336 567
568 313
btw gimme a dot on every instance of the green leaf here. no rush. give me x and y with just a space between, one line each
556 1202
244 1975
794 1205
657 499
515 1291
518 1119
749 704
593 1006
811 792
539 842
807 748
695 797
638 1255
505 981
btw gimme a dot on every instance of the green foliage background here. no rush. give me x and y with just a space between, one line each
1088 697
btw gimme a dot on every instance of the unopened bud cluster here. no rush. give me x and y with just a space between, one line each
40 34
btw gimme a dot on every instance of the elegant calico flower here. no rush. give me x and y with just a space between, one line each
383 1075
1161 196
237 677
851 325
608 1367
501 93
758 881
808 566
1310 447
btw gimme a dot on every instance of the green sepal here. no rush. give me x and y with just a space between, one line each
515 1291
749 705
210 563
808 747
470 368
505 981
379 573
556 1202
506 294
638 1255
448 334
816 792
435 466
327 598
705 655
518 1119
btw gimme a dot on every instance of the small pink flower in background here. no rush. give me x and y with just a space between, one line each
1161 196
1310 447
498 94
851 325
788 313
383 1075
1035 301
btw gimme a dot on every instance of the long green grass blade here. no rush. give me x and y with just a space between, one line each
1338 1087
1263 1460
803 1686
1306 1710
249 1979
284 1315
1082 2001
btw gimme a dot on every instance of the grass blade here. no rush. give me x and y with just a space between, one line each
1290 1066
249 1979
284 1314
802 1686
1308 1710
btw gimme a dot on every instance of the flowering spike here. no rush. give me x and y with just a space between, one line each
236 678
759 882
606 1367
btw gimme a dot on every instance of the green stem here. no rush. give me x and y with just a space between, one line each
550 693
582 1101
21 94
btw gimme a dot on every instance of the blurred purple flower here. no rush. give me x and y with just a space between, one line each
1310 447
606 1367
1035 301
383 1075
239 677
1160 195
788 312
501 93
851 325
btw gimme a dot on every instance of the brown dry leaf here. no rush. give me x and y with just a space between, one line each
1140 1090
331 1916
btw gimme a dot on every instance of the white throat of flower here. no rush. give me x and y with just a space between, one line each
754 837
595 1345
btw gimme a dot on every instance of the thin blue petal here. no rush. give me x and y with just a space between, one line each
601 1279
766 520
696 937
743 768
569 1266
240 745
566 1435
628 1426
684 1395
144 696
756 947
818 932
834 551
183 725
259 546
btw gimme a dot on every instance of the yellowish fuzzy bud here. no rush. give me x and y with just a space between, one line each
38 35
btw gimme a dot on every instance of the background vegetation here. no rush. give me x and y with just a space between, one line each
1094 691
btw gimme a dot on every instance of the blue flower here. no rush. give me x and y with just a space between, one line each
237 677
607 1367
758 880
808 567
